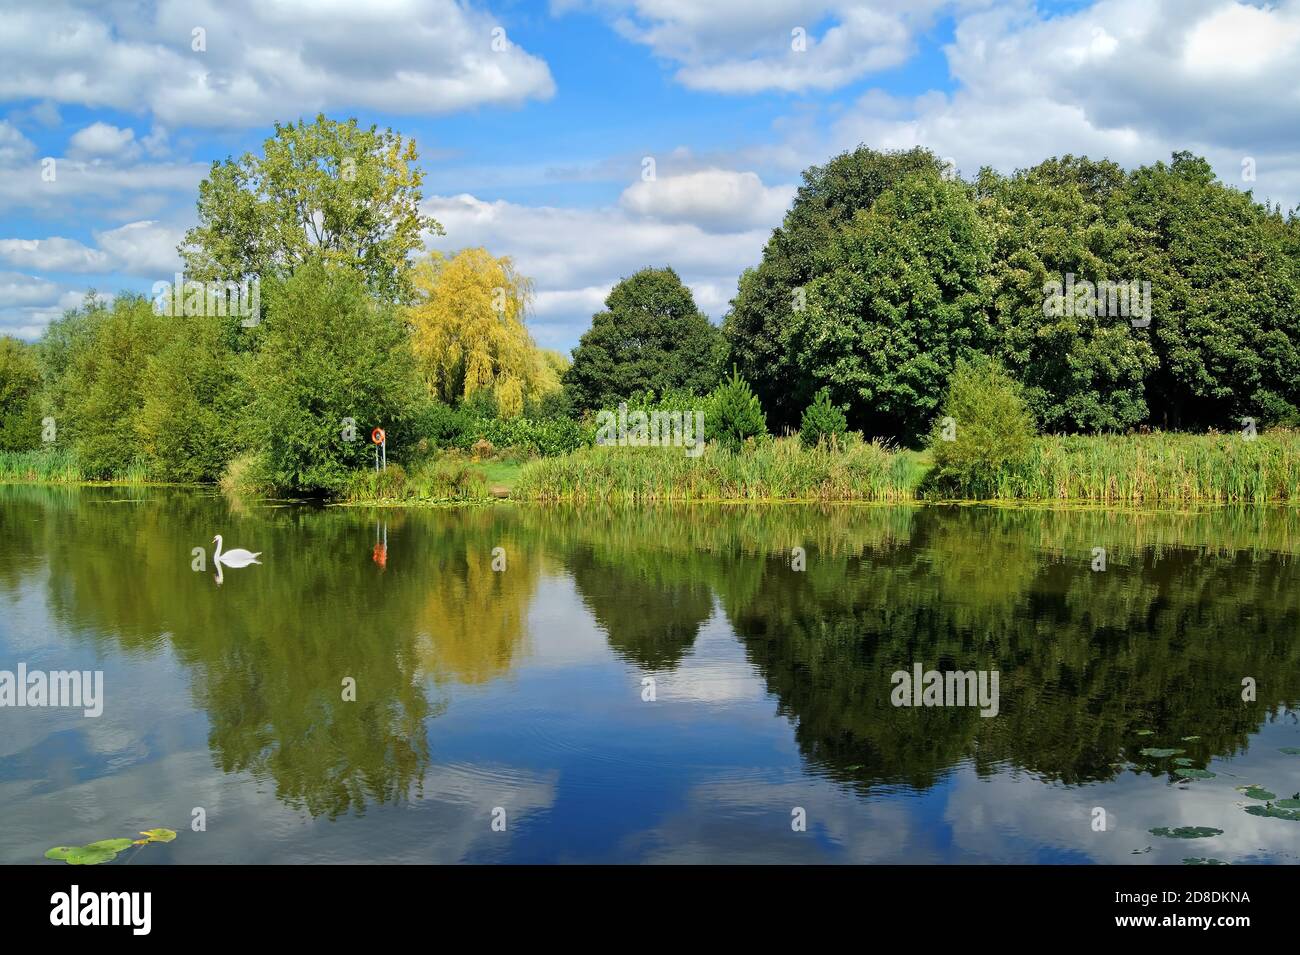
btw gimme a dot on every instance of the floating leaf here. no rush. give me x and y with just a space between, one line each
1290 750
1183 761
159 835
110 845
1255 792
1288 804
1160 753
60 852
88 856
1204 861
1276 813
1186 832
1188 739
1193 773
1146 732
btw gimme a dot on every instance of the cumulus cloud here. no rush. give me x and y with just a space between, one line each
714 199
737 46
103 140
242 62
146 248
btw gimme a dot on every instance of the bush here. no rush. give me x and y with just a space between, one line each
822 421
986 429
732 414
246 474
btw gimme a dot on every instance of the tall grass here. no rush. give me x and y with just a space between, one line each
1166 468
779 469
47 466
448 478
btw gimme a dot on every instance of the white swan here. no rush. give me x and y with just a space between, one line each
238 557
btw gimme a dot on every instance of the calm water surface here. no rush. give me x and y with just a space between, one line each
523 688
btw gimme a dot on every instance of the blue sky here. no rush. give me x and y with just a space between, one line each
536 149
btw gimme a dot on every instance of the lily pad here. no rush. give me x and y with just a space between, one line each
1290 750
1186 832
1146 732
1183 761
159 835
1274 812
60 852
1188 739
110 845
88 856
1288 804
1255 792
1204 861
1193 773
1160 753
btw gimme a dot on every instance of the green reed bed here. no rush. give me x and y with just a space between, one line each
52 466
439 479
1210 468
778 469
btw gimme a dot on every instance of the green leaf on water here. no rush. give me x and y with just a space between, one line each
60 852
1183 761
1290 750
1256 792
1193 773
88 856
1186 832
1204 861
1188 739
110 845
1160 753
1274 812
159 835
1288 804
1146 732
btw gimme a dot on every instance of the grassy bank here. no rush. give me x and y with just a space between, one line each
780 469
55 466
1130 469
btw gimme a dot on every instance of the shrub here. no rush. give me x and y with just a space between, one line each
732 414
986 429
822 421
246 474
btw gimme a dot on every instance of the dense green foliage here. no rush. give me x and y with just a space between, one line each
732 414
986 427
20 385
822 421
651 337
886 272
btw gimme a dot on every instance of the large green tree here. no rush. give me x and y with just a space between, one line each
902 296
333 359
651 337
1081 371
1225 297
323 190
765 323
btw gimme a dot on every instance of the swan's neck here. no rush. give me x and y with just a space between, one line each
217 556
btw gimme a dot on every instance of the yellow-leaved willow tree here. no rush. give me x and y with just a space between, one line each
467 329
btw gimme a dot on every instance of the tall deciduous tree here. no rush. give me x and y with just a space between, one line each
766 319
328 190
651 337
902 298
468 332
20 383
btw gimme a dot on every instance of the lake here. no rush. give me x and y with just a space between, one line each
517 683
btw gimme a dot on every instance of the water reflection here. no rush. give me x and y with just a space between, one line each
449 622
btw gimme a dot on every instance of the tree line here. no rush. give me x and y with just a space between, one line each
886 275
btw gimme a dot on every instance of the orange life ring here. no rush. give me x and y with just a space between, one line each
377 436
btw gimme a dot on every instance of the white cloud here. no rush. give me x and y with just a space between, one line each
103 140
53 255
261 62
146 248
14 146
715 199
737 46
